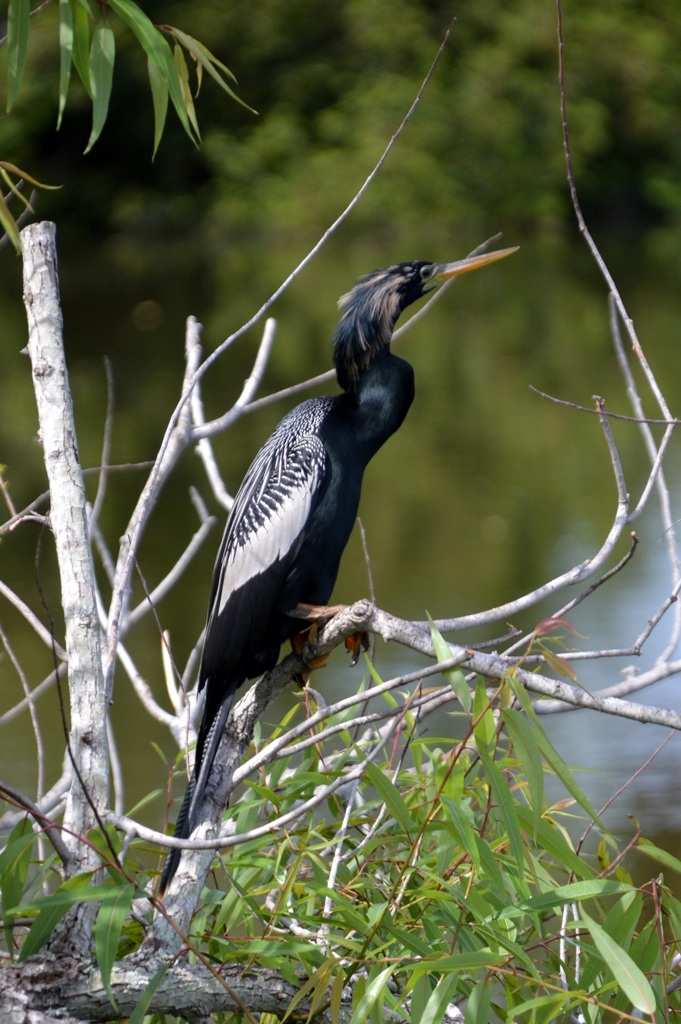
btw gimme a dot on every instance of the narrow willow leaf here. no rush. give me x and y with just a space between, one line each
440 999
628 975
14 861
159 95
391 797
551 625
18 24
551 1004
149 37
5 165
559 663
661 856
175 90
102 54
336 998
108 926
485 729
81 42
65 54
509 813
307 987
372 993
565 775
479 1003
522 736
75 890
473 960
463 830
623 918
42 928
52 908
455 676
419 994
193 45
571 893
185 91
140 1011
553 840
205 59
9 224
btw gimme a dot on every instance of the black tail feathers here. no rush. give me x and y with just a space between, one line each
187 820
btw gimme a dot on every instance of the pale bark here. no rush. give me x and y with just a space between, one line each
87 732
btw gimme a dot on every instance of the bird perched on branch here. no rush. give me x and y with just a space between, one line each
294 512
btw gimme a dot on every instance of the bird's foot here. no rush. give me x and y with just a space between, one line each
320 615
298 643
355 644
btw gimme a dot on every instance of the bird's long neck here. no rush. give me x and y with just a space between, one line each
363 334
384 394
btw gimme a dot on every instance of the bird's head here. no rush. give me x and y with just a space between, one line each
369 312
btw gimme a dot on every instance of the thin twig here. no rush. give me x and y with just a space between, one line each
106 445
19 799
586 234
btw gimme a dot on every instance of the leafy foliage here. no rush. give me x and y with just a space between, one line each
87 42
441 877
444 877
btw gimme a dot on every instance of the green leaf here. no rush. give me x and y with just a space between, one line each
565 775
440 999
149 37
185 91
336 998
455 676
107 932
102 54
140 1011
661 856
373 992
629 977
560 665
624 917
509 813
7 220
9 224
523 737
572 893
551 1004
479 1003
14 861
65 54
18 24
159 95
477 959
391 797
463 830
81 42
207 60
485 729
553 840
6 166
52 908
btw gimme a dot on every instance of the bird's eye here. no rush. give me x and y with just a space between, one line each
426 272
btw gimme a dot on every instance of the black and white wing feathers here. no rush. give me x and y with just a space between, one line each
264 533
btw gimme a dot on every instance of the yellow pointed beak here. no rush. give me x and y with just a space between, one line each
443 271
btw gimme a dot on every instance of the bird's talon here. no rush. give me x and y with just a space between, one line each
355 644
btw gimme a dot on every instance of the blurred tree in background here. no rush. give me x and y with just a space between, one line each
332 82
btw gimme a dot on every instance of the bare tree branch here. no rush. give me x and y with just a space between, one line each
87 740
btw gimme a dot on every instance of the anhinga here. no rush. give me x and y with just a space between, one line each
296 507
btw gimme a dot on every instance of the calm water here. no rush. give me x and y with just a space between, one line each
485 492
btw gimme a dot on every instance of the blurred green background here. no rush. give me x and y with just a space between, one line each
488 489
